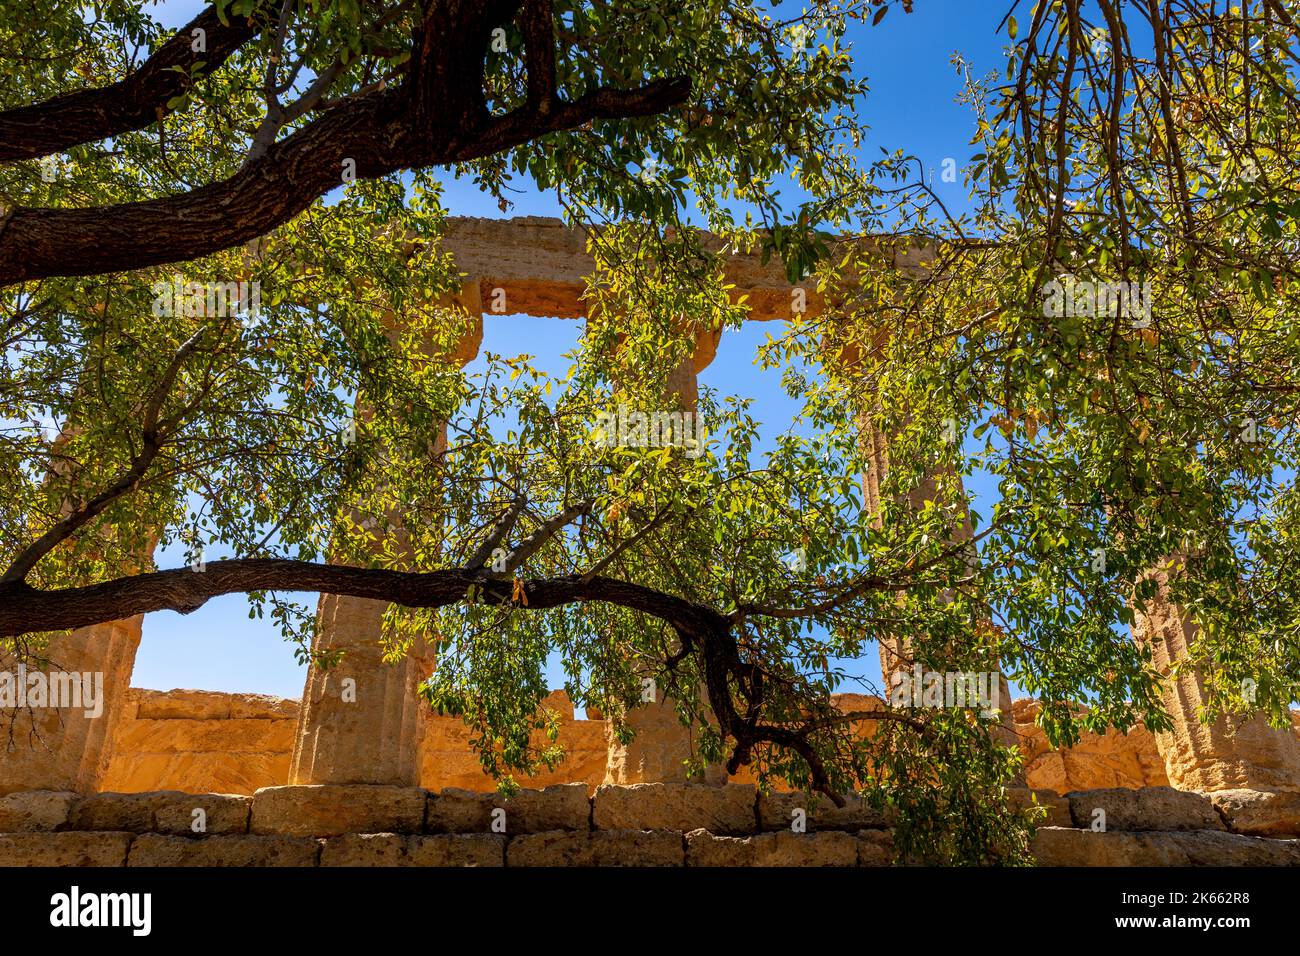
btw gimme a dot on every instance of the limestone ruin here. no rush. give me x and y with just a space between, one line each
206 778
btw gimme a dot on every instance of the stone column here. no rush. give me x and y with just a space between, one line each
661 745
362 720
1231 753
895 651
48 748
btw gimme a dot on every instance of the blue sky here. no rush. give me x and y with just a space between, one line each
912 106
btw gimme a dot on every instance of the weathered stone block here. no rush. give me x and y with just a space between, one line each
154 849
1058 807
827 848
397 849
30 811
454 810
1152 808
782 848
1071 846
601 848
1217 848
118 811
64 849
561 807
365 849
448 758
776 811
1060 846
705 849
332 809
675 806
206 736
1259 812
462 849
876 848
181 704
262 707
223 813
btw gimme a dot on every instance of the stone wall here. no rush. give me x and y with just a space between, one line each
1097 761
639 825
204 741
447 760
201 741
197 778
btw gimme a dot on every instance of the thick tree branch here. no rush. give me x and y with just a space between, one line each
538 22
24 609
375 132
132 103
38 243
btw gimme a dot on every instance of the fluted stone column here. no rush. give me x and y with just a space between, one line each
661 745
362 721
1231 753
48 748
895 652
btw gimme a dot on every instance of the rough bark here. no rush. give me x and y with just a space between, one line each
136 101
24 609
436 116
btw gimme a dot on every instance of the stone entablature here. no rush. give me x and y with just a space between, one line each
639 825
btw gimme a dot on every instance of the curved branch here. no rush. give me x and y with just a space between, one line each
703 631
376 132
39 243
124 485
24 609
605 103
132 103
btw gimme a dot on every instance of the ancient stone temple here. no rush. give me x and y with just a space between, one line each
358 773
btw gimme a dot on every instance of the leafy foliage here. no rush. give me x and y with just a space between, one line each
340 423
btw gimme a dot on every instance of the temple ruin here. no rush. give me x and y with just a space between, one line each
382 781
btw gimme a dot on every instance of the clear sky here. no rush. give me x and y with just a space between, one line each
912 106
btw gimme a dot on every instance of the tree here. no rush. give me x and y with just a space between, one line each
1110 433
